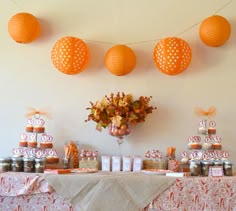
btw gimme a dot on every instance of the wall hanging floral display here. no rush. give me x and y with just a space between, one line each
118 112
172 55
120 60
70 55
24 27
215 31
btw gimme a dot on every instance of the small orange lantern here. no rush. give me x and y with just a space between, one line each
24 28
70 55
120 60
215 31
172 55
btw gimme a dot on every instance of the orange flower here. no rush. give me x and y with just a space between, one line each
119 109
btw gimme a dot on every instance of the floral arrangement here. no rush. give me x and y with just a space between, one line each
119 111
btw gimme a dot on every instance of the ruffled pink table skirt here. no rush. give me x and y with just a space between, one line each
24 192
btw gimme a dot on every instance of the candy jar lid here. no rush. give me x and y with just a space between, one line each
28 159
7 159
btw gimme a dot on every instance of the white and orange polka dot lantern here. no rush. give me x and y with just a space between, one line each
70 55
120 60
24 28
172 55
214 31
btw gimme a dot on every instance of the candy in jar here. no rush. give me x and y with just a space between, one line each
205 167
228 168
28 164
17 164
5 163
195 167
39 165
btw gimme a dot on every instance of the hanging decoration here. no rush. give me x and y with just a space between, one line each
120 60
70 55
172 55
24 28
215 31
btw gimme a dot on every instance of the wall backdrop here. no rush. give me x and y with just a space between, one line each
29 79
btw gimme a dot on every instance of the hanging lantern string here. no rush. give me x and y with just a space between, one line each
185 30
146 41
154 40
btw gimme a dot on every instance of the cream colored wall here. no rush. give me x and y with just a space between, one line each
28 77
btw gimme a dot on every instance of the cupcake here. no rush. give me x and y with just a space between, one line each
52 159
211 131
216 146
39 127
207 146
23 143
32 143
195 146
29 127
46 145
46 141
202 130
189 145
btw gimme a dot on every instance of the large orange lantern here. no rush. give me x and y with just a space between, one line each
24 28
215 31
172 55
120 60
70 55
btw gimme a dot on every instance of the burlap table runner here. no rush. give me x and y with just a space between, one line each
109 191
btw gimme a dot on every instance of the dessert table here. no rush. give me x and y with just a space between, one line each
114 191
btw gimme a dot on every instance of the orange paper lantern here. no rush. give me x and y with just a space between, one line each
120 60
215 31
70 55
24 28
172 55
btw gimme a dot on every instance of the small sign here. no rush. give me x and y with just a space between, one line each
106 163
216 171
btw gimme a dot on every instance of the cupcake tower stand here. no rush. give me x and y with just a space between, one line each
31 147
205 150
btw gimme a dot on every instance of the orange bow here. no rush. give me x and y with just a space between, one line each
210 112
33 111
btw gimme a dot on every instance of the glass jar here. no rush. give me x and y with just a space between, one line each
228 168
195 167
119 131
205 167
17 164
40 165
218 163
5 163
66 163
28 164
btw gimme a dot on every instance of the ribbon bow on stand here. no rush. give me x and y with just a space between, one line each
37 113
209 113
